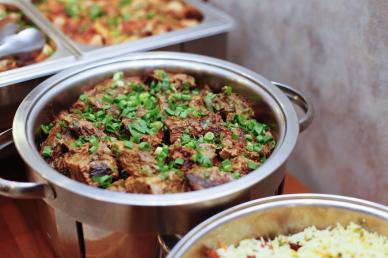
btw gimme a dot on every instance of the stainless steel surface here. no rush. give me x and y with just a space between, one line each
7 30
72 239
298 98
25 190
5 139
25 41
169 213
280 215
166 243
100 243
60 230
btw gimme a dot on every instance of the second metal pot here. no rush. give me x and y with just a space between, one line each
272 216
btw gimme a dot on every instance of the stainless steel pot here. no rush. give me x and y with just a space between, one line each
169 213
280 215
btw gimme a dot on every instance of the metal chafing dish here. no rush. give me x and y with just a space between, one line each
79 213
208 38
16 83
280 215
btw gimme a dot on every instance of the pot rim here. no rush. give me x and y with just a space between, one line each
24 137
258 205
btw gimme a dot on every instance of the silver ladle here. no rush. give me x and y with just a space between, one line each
25 41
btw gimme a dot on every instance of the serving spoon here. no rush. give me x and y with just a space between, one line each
27 40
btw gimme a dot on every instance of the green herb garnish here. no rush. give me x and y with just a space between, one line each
47 151
103 181
144 146
46 128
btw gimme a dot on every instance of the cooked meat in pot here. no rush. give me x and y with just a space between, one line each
155 134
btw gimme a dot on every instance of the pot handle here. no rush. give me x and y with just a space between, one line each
297 98
22 190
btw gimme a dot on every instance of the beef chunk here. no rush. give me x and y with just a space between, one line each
176 127
136 162
195 126
151 185
80 127
177 151
208 149
201 178
177 79
233 103
77 166
233 144
82 165
240 164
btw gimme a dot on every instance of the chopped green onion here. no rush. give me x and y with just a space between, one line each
226 165
208 100
227 90
95 12
151 15
264 138
257 147
252 165
58 135
248 137
158 150
179 161
127 16
144 146
202 159
139 125
235 136
93 140
128 144
103 181
156 125
259 128
209 136
72 9
236 175
47 151
124 2
46 128
107 98
112 127
84 97
62 124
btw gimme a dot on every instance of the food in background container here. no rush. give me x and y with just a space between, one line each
339 241
157 133
11 14
101 22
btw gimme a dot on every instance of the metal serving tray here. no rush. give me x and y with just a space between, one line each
214 22
62 56
11 91
207 38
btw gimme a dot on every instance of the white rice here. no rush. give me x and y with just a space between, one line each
352 241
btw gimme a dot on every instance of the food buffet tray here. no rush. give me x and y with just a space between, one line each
207 38
214 22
